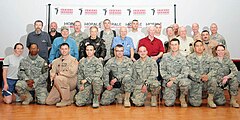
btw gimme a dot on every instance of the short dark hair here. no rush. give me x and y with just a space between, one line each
220 45
175 39
197 42
32 44
91 45
135 20
205 31
63 44
119 46
106 20
38 21
158 24
76 22
15 46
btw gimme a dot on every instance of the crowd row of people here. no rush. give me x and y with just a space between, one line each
99 70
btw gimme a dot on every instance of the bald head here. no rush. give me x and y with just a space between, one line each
182 32
123 31
151 30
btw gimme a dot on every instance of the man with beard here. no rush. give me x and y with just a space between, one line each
53 31
41 38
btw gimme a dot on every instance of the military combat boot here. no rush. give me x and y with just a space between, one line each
72 94
153 101
126 100
182 100
95 101
233 102
27 98
63 103
119 98
211 104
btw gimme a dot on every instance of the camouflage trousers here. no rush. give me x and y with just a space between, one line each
219 97
85 96
195 92
40 91
169 93
138 97
62 89
109 96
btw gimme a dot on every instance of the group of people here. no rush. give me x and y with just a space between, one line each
104 68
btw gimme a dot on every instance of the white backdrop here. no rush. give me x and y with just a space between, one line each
17 17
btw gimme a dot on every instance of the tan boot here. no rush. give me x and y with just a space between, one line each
153 101
95 101
72 95
182 100
126 100
233 102
63 103
211 104
119 98
27 98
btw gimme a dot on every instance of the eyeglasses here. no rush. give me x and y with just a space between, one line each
119 50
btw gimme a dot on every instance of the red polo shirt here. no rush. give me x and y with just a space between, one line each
153 47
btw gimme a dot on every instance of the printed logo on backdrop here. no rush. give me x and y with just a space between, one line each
105 11
153 11
91 11
129 11
115 12
66 11
163 11
139 12
80 11
56 9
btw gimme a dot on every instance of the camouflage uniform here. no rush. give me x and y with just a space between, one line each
210 48
225 68
144 73
108 37
91 71
36 69
64 87
174 67
80 37
123 72
219 38
199 66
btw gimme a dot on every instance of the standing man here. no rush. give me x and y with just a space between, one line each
175 29
126 42
145 79
107 35
200 74
185 41
174 71
55 51
154 47
90 70
32 73
64 76
117 79
41 38
78 35
158 33
98 43
216 36
136 35
53 31
196 34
